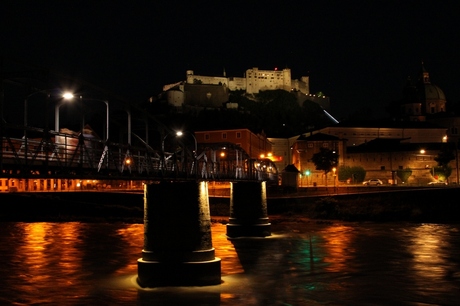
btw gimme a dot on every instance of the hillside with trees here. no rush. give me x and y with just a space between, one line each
277 113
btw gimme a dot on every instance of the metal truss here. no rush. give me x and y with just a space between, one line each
58 155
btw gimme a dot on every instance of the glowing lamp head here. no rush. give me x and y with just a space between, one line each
68 96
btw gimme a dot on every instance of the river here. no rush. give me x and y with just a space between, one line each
303 262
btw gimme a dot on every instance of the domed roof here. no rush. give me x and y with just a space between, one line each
426 90
433 92
422 97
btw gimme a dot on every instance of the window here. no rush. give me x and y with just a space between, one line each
224 135
206 136
310 145
238 134
325 145
382 167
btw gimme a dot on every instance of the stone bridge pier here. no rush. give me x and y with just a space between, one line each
248 210
178 247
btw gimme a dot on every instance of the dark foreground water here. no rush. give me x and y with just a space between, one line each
302 263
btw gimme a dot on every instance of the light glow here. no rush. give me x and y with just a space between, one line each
68 96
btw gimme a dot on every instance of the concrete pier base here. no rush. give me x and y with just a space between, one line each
248 210
177 236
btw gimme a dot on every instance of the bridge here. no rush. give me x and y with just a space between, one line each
54 155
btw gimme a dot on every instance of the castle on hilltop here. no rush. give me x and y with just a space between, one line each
213 91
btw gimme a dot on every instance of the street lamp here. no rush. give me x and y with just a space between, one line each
334 170
179 134
128 160
45 92
422 151
25 118
129 126
70 96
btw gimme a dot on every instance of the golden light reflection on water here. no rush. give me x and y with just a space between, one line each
230 263
50 253
429 251
96 264
133 235
338 250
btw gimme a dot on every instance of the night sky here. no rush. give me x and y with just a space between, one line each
359 53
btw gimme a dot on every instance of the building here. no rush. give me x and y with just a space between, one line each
382 158
255 145
202 95
359 132
257 80
303 150
282 152
422 98
213 91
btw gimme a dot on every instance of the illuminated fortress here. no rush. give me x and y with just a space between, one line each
254 81
213 91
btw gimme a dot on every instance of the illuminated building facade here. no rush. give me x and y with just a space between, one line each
213 91
253 144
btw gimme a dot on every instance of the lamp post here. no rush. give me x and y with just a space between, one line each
334 170
195 156
128 160
26 102
26 123
456 161
129 126
70 96
422 152
163 151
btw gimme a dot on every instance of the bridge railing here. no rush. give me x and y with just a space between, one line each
75 155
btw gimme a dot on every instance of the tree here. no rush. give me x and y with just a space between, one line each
313 116
325 160
354 174
404 174
442 173
445 156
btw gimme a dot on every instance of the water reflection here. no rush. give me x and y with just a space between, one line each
338 250
302 263
433 264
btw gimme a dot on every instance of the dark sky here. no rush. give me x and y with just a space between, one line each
357 52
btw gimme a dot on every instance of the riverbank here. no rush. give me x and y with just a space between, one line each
433 205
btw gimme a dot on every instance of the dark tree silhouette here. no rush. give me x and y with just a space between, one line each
325 160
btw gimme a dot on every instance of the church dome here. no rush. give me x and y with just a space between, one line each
422 98
427 90
433 92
